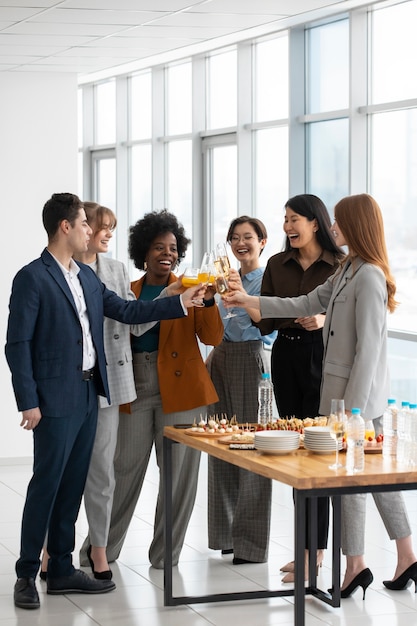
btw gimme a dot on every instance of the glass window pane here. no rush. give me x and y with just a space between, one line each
180 186
328 160
141 106
141 181
394 53
105 101
328 67
223 187
394 186
272 185
222 90
106 191
179 99
271 79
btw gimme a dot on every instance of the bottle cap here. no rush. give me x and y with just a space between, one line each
391 401
355 411
265 375
405 403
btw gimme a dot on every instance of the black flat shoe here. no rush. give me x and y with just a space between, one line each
106 575
363 579
403 579
78 582
42 575
237 561
25 594
228 551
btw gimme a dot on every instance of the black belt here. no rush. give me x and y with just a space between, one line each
295 334
88 374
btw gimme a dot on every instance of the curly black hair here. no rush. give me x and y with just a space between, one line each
144 232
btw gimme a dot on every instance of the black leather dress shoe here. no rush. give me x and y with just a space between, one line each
25 594
78 582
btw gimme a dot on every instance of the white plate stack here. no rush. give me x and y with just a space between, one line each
277 441
317 439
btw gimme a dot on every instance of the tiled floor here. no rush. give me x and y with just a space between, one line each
138 599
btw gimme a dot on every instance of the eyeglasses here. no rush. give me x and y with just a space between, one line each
245 238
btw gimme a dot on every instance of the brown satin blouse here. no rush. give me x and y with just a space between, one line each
284 277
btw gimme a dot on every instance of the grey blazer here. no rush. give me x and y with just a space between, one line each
117 335
354 335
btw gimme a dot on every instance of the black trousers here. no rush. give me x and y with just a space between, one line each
296 368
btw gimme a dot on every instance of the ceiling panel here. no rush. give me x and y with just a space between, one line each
86 36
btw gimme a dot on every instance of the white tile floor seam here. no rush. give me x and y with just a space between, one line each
138 599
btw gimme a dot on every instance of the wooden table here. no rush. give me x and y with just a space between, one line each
310 477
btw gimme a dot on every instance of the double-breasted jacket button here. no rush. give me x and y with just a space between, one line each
177 373
147 357
120 362
332 333
174 355
116 336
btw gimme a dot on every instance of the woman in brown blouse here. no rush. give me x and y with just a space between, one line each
309 258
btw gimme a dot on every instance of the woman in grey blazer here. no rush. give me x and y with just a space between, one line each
356 300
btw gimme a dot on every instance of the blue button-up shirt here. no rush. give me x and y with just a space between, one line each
240 327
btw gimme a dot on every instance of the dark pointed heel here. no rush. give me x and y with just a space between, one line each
403 579
106 575
363 579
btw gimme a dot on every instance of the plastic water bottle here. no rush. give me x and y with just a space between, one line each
389 446
265 399
355 455
401 425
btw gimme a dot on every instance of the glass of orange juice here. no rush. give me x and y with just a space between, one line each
191 278
206 271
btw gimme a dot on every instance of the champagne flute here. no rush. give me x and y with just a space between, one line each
337 425
204 274
222 267
222 261
222 288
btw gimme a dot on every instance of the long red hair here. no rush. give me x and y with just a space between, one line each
360 220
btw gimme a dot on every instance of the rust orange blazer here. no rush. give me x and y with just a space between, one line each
184 381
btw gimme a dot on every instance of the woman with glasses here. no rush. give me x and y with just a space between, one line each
239 502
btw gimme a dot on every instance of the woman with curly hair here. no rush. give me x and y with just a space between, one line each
172 386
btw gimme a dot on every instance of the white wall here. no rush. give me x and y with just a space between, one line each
38 157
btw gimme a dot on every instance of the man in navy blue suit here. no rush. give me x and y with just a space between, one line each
56 356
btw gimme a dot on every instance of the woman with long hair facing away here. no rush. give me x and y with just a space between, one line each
356 300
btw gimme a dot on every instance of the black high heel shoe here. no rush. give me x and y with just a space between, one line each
106 575
363 579
403 579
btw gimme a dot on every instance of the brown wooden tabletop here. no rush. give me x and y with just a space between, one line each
301 469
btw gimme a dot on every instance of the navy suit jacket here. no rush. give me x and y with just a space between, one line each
44 347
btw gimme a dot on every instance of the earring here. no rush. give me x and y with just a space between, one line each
145 266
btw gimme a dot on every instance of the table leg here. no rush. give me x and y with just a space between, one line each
300 534
337 520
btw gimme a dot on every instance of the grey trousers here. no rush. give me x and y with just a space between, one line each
392 509
99 487
137 434
239 502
